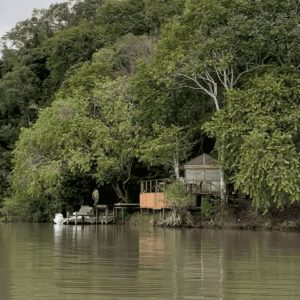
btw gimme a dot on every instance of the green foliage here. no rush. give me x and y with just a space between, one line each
168 143
116 145
177 195
85 10
136 16
140 219
68 47
207 209
121 17
165 146
89 129
257 132
215 45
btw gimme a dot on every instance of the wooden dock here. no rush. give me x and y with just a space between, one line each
123 207
99 214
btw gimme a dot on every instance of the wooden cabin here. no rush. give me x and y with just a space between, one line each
203 175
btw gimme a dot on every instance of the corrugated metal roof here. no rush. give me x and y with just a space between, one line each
202 160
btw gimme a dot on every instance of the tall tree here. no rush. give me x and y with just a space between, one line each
260 128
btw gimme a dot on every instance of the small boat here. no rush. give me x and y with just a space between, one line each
58 219
84 216
80 220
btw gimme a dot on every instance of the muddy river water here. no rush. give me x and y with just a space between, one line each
44 261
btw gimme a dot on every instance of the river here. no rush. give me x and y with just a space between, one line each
42 261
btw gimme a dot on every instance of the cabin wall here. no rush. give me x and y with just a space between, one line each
206 180
197 175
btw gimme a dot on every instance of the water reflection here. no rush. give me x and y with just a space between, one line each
5 281
121 262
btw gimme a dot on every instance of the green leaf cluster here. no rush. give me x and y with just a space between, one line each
257 133
177 195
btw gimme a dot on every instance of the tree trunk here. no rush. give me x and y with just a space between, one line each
176 167
222 188
121 192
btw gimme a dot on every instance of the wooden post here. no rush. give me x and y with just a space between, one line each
68 216
106 215
82 220
97 215
122 215
201 207
76 218
163 211
153 217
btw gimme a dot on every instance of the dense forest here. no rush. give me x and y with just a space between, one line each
105 93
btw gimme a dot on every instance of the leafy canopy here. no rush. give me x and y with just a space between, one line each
258 130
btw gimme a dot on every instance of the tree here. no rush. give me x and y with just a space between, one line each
18 91
42 25
86 10
259 127
67 48
89 131
94 136
166 146
178 198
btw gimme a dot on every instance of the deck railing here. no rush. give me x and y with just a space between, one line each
194 187
154 186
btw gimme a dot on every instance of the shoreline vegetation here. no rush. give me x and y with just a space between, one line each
285 220
233 219
106 94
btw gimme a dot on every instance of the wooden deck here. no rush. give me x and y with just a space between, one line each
152 194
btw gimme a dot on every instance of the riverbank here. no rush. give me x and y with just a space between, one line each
233 218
